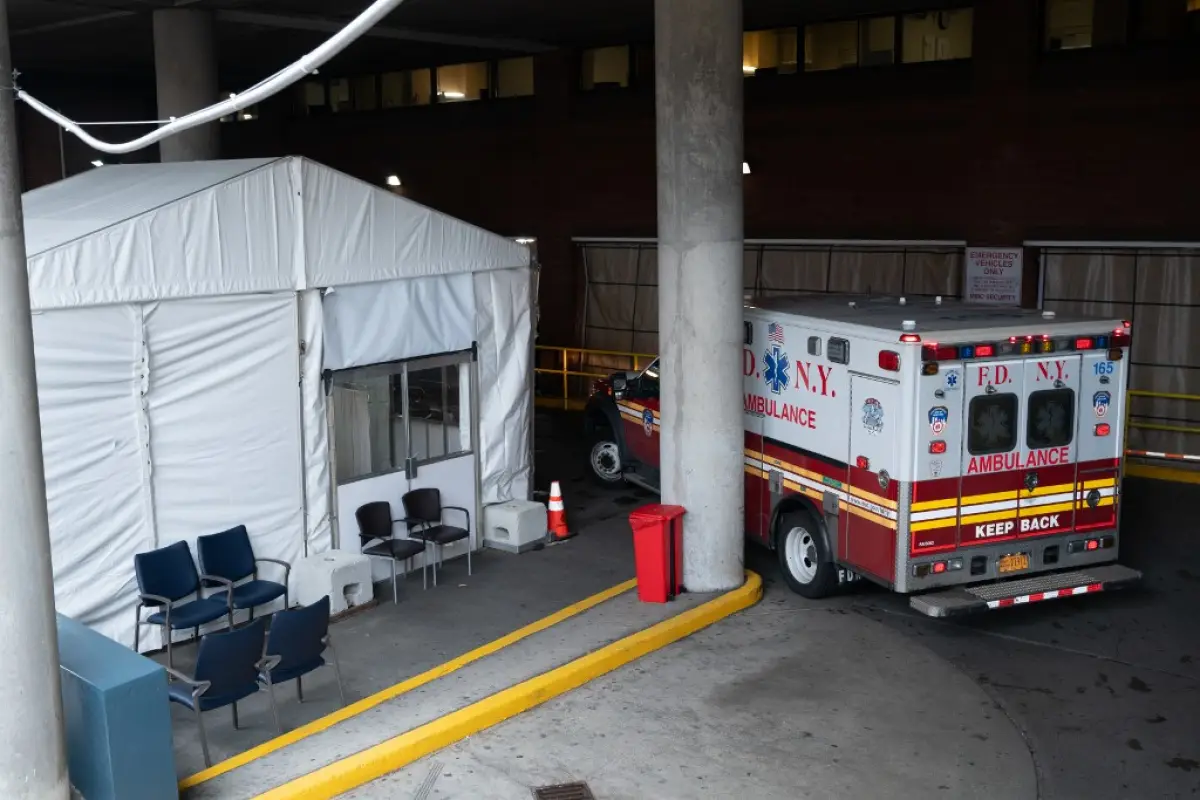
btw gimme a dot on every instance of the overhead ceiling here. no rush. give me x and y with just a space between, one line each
256 37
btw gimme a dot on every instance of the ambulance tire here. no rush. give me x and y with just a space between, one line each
604 460
804 557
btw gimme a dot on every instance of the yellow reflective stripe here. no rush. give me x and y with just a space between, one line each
934 505
994 516
1037 511
1102 483
930 524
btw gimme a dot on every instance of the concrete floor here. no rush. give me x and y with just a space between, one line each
384 645
1095 697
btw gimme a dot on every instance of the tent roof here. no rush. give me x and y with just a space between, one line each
135 233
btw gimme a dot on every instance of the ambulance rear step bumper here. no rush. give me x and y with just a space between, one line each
1019 591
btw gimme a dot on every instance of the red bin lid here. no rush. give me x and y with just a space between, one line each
656 511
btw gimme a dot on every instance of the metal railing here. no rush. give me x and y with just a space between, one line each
1132 422
563 375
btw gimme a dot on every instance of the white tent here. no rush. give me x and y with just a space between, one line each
191 322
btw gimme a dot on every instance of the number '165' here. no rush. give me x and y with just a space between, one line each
1104 368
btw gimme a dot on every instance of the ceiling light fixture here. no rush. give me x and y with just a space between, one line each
745 167
393 180
453 95
525 240
97 163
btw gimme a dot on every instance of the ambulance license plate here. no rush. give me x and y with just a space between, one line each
1013 562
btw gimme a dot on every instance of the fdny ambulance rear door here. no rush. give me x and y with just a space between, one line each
1019 451
1049 445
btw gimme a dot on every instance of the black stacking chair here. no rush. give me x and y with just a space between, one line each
375 524
423 512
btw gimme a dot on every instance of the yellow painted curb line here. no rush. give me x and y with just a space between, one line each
389 756
367 703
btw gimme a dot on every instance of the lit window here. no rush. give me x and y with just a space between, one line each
1069 24
514 77
830 45
936 35
364 92
311 97
459 83
604 68
769 52
339 95
877 41
412 87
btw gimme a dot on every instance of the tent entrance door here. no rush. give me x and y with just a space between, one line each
401 426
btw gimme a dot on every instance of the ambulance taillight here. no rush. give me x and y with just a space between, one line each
889 361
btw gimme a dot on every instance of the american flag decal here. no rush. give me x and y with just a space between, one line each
775 332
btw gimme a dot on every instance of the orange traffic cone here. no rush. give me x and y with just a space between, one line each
556 521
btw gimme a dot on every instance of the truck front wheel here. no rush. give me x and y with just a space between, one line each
807 566
604 460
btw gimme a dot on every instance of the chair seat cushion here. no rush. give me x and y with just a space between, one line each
440 534
254 593
179 692
282 673
189 615
399 549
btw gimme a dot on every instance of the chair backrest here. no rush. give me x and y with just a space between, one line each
374 521
424 505
228 660
227 554
296 634
168 572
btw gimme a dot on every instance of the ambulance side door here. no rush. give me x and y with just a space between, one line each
869 541
640 416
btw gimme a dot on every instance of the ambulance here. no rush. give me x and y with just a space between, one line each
966 455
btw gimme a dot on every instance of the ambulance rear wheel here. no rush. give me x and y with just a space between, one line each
807 565
604 460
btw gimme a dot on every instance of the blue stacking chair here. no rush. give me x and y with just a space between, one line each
229 668
228 559
299 639
165 577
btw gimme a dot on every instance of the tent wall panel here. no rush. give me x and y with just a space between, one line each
317 485
505 336
89 394
437 316
224 409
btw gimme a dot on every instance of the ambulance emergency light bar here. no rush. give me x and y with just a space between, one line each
1023 345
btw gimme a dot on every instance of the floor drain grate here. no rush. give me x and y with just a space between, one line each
564 791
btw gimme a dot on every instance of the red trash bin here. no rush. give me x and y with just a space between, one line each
658 551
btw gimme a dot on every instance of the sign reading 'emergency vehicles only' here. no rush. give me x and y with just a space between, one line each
993 275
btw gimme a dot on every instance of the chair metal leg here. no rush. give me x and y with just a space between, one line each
300 688
137 627
424 564
203 735
235 719
170 655
251 619
337 671
286 602
395 597
437 562
274 710
469 556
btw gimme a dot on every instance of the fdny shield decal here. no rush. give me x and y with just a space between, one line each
872 418
1100 403
648 421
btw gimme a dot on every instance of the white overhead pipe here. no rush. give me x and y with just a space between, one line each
260 91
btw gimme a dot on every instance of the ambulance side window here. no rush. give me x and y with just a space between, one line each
648 382
1051 419
993 424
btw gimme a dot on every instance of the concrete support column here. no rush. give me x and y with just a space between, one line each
698 84
185 69
33 760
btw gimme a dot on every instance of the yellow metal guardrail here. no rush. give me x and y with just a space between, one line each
574 368
1155 471
569 372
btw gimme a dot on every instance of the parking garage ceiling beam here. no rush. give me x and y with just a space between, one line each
382 32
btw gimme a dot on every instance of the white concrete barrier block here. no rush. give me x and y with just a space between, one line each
515 526
345 577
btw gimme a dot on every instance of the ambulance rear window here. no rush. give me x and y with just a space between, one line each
1051 419
993 424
